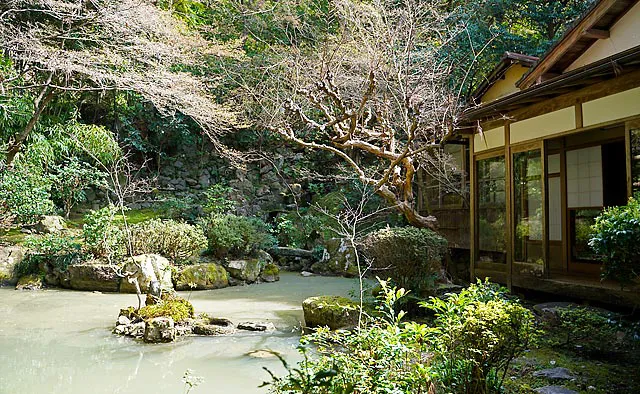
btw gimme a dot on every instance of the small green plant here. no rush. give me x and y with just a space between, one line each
217 199
175 208
191 381
71 180
591 329
53 249
102 237
174 240
236 236
614 239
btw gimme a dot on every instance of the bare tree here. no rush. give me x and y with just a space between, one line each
377 95
65 46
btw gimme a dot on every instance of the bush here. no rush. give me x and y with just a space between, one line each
593 330
102 237
410 256
236 236
70 181
477 334
58 251
24 196
171 306
174 240
474 337
179 209
615 238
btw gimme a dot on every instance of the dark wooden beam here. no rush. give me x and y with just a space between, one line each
598 34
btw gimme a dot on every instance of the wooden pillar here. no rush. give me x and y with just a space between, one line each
472 210
508 182
545 209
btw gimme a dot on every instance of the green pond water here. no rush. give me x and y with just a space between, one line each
58 341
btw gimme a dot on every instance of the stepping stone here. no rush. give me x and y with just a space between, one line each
554 390
554 374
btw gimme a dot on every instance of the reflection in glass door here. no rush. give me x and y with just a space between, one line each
491 210
527 205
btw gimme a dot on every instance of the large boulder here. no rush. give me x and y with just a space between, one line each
201 277
160 329
245 270
10 256
339 258
213 326
331 311
50 224
147 269
91 276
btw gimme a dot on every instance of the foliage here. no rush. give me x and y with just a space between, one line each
383 356
102 237
615 240
592 329
176 208
236 236
56 250
478 332
24 196
412 257
466 350
174 240
70 181
217 199
171 306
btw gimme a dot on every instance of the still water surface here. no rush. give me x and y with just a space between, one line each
58 341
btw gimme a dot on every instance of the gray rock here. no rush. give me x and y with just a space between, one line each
201 277
245 270
339 259
204 181
264 257
263 353
557 373
331 311
292 252
91 276
147 268
135 330
554 390
213 326
160 329
50 224
306 274
9 257
270 273
250 326
123 321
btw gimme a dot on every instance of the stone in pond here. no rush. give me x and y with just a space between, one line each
213 326
262 353
91 276
270 273
160 329
201 277
9 257
245 270
123 321
554 374
331 311
554 390
250 326
147 268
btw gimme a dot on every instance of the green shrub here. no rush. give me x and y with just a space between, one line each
56 250
410 256
174 240
171 305
236 236
615 239
24 196
593 330
477 334
70 181
217 199
175 208
102 237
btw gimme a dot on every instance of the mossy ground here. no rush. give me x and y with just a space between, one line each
602 372
172 306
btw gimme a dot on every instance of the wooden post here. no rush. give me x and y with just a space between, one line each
508 182
545 209
472 210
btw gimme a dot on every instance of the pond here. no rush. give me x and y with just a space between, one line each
59 341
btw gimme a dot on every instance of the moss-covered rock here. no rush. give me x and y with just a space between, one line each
331 311
160 329
177 308
201 277
339 259
10 256
245 270
29 282
270 273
